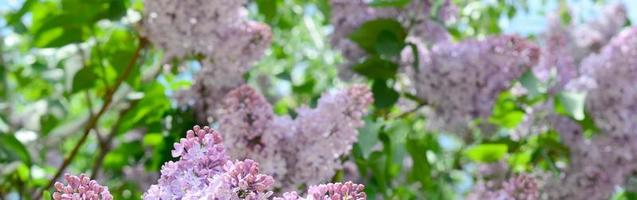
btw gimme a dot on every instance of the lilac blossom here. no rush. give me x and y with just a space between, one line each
594 35
612 99
304 150
80 187
519 187
597 165
461 82
201 157
330 191
217 30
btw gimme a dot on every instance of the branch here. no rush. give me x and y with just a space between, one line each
413 110
105 146
108 98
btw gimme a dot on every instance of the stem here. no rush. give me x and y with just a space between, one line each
108 98
105 146
418 107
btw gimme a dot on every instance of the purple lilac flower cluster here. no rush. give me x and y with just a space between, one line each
203 171
80 188
217 30
461 82
520 187
304 150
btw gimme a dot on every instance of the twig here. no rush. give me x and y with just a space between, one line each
89 102
418 107
105 146
108 98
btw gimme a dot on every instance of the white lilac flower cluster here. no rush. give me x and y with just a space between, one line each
80 187
303 150
348 15
219 31
461 82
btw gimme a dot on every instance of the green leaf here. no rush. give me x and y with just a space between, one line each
421 170
58 37
571 104
46 195
487 153
384 96
84 79
285 75
532 83
368 137
386 35
153 139
268 8
389 3
389 44
376 68
306 88
150 108
506 113
10 145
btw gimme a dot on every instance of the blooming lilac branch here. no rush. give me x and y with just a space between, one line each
203 171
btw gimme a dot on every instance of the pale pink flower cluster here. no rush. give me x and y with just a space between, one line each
461 82
80 188
219 31
304 150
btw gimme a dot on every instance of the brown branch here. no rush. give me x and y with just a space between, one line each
108 98
105 146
